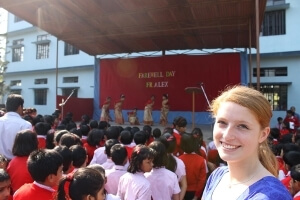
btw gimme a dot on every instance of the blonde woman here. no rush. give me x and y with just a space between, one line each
242 116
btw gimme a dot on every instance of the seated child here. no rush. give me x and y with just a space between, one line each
108 145
85 184
5 185
45 167
132 117
79 157
118 155
126 139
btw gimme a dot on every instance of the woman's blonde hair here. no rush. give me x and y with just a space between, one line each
260 108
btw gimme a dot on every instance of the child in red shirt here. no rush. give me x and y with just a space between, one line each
45 167
195 167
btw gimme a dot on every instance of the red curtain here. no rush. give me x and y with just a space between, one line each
78 106
139 78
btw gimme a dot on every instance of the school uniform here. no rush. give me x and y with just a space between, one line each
177 152
134 187
90 151
108 164
297 196
34 191
195 172
113 176
99 156
41 141
180 170
18 172
168 183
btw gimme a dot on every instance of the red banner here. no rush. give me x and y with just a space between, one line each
139 78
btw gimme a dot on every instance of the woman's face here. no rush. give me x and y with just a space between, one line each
237 133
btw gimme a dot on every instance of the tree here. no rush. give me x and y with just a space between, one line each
3 87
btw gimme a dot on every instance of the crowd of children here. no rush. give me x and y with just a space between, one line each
59 159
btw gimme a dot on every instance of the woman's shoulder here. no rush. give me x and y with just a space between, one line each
269 187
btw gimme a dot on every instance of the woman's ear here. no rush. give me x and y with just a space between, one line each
264 134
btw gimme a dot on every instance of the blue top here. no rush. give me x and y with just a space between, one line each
267 188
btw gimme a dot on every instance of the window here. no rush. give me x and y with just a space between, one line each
70 50
41 81
40 96
271 71
68 91
17 19
274 23
276 94
17 50
16 83
17 91
70 79
42 46
275 2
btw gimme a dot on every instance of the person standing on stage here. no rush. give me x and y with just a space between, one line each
148 120
164 110
118 110
105 110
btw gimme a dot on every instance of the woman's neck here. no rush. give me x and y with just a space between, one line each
241 171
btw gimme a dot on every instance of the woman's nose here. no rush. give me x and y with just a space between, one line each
228 133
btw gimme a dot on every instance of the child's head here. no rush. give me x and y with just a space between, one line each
275 133
156 133
188 144
113 133
108 145
197 134
3 162
69 139
41 128
25 143
79 156
179 124
160 154
45 166
86 183
95 136
140 137
118 154
291 159
170 142
66 154
148 131
295 182
103 125
93 124
126 137
85 129
58 134
5 185
279 120
141 159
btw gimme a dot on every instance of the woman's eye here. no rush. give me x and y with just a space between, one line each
221 122
243 126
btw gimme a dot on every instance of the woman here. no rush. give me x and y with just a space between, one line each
105 111
164 110
118 110
242 117
148 120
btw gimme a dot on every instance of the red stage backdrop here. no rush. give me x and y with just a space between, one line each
139 78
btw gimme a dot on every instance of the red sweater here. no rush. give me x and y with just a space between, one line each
18 172
42 141
177 152
129 151
195 172
90 151
33 192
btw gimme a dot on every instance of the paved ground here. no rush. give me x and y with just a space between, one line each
206 129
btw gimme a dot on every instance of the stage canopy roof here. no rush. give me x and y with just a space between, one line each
124 26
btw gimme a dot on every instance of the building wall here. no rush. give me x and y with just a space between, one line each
81 65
